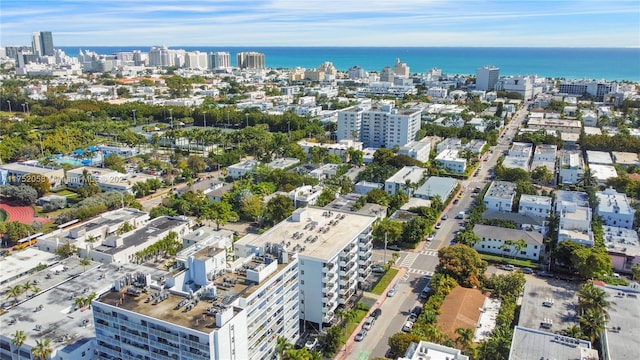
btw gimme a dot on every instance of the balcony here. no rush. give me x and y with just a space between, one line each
328 277
328 268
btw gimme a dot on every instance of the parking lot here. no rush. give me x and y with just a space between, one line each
549 301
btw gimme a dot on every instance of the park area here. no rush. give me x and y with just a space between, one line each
20 213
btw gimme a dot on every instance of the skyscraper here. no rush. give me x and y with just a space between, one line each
487 77
250 60
219 60
42 43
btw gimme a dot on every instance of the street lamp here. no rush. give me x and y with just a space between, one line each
9 102
41 147
246 116
204 117
23 108
134 116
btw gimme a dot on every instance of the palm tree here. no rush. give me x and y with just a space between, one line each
349 316
593 323
282 345
79 302
573 331
591 297
42 349
14 292
465 338
90 298
84 262
587 178
395 257
91 239
18 338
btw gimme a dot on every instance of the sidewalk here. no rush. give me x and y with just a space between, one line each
345 352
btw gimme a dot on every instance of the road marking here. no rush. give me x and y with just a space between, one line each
362 355
421 272
405 277
429 252
409 260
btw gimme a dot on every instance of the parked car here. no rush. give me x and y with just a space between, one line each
445 216
394 247
526 270
456 201
544 274
413 317
369 323
378 269
407 326
431 236
376 313
391 292
417 310
438 225
507 267
311 343
360 335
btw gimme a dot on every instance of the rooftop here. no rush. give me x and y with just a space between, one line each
51 313
496 232
437 185
461 308
611 201
282 163
546 149
578 197
28 168
625 158
603 172
536 199
320 233
516 162
599 157
21 261
411 173
624 314
432 351
246 164
521 148
501 189
572 159
621 240
530 344
151 230
449 154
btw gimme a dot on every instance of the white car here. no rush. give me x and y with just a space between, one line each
311 343
391 292
407 326
360 335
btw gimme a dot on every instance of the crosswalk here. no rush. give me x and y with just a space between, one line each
429 252
420 272
408 260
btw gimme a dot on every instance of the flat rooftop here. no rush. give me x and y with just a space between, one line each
578 197
29 168
572 159
599 157
322 234
624 315
52 309
625 158
152 229
20 262
625 241
501 189
561 295
516 162
531 344
603 172
412 173
536 199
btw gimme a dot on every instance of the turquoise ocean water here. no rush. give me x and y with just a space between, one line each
570 63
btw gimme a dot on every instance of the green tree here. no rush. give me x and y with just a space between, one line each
399 342
14 292
592 323
498 346
573 331
378 196
221 212
196 163
591 297
389 229
250 207
464 339
18 338
541 175
84 262
37 181
326 197
42 350
463 264
277 209
592 262
282 345
635 270
67 249
332 341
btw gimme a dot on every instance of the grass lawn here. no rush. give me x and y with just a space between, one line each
384 281
352 326
64 192
514 262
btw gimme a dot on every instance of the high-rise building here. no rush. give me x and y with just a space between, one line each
356 73
379 126
487 77
42 43
401 69
250 60
196 60
219 60
386 74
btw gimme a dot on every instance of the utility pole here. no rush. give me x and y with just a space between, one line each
134 116
9 102
385 248
246 116
204 117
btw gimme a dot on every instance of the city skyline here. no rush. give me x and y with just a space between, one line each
314 23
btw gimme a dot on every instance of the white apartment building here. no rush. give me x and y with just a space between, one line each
219 60
614 208
493 239
535 205
589 118
12 173
449 143
283 163
487 77
250 60
242 168
408 175
401 69
449 159
500 196
334 255
418 150
574 217
204 309
437 92
196 60
571 167
428 350
305 195
521 150
563 126
341 148
363 187
379 125
522 85
591 87
545 152
105 179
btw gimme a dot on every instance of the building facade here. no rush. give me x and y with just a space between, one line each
614 209
506 242
500 196
250 60
487 77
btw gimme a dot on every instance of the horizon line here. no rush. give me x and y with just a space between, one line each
363 46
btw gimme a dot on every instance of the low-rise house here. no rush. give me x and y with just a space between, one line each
242 168
506 242
626 158
574 217
599 157
283 163
449 143
602 173
406 179
571 167
535 205
14 172
500 196
428 350
614 209
436 186
417 150
450 160
589 118
363 187
622 246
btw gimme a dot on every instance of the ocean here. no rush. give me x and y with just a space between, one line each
570 63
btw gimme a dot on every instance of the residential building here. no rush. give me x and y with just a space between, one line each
561 125
442 187
428 350
350 122
449 143
42 44
535 205
387 74
105 179
522 85
589 118
450 160
208 236
406 179
487 77
283 163
242 168
401 69
602 173
418 150
437 92
618 338
341 148
521 150
476 145
626 158
571 167
623 247
219 60
325 171
306 195
363 187
591 87
334 253
14 172
500 196
204 309
493 239
614 208
574 217
533 344
356 73
19 265
599 157
250 60
545 152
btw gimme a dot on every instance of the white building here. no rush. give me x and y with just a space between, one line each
574 217
350 122
242 168
305 195
521 150
219 60
283 163
500 196
363 187
602 173
105 179
14 172
449 159
571 167
418 150
334 254
614 209
493 239
208 236
622 246
535 205
437 92
589 118
545 152
449 143
341 148
487 77
522 85
427 350
403 178
599 157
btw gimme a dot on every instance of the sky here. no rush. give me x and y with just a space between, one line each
483 23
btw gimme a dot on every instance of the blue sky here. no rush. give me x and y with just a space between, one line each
541 23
